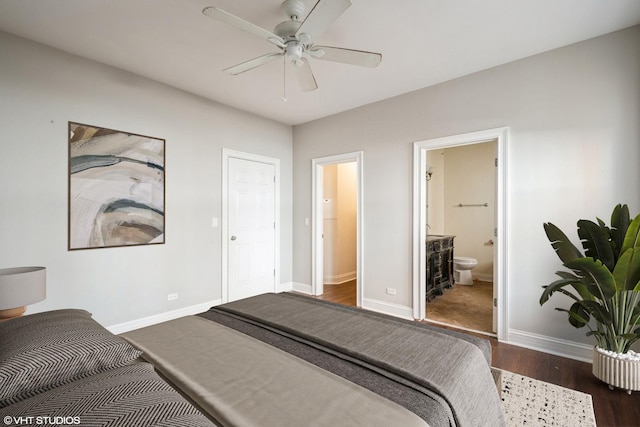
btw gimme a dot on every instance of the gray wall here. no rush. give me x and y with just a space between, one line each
40 90
573 153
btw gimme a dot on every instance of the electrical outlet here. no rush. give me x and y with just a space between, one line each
391 291
171 297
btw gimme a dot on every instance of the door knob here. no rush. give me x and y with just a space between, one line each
233 237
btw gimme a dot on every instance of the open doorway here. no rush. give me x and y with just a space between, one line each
422 219
461 183
339 202
336 225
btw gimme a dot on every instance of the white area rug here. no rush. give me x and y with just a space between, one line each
529 402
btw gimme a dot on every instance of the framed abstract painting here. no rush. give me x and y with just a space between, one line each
116 188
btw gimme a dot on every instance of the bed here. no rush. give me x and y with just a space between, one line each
291 360
270 360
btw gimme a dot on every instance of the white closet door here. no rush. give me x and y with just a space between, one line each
251 244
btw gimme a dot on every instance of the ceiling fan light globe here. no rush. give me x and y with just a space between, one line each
294 51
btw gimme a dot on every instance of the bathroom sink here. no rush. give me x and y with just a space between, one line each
435 237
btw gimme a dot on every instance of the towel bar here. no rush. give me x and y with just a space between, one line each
460 205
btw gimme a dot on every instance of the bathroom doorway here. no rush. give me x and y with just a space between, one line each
434 207
461 209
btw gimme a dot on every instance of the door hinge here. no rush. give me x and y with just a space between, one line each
495 232
496 162
495 302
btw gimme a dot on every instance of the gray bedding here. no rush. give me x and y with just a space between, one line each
445 367
241 381
433 410
271 359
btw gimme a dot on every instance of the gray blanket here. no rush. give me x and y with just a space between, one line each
433 409
242 382
434 363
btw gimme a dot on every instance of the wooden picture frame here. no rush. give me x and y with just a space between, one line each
116 188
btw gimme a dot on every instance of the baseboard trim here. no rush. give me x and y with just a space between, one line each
284 287
301 287
162 317
388 308
340 278
546 344
483 277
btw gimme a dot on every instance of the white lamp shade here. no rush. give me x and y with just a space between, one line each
22 286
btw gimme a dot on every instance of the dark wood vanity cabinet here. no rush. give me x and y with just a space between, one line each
439 264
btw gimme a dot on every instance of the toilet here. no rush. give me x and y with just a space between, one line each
462 269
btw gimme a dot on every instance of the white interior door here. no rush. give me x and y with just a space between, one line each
251 236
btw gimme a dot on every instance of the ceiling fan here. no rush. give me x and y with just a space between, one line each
296 39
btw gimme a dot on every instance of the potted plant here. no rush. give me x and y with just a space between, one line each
604 284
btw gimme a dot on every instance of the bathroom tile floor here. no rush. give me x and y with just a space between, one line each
468 307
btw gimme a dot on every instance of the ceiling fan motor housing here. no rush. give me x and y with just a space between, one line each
287 30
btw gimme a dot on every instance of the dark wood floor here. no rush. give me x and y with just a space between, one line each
612 408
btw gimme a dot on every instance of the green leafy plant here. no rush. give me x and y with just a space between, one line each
604 282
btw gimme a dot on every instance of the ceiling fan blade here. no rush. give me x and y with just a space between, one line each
321 16
252 63
306 80
346 56
241 24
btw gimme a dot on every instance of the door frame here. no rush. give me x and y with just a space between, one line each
226 155
317 215
420 214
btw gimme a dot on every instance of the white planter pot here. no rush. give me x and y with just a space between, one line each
624 374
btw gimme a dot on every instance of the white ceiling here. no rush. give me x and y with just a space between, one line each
423 42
